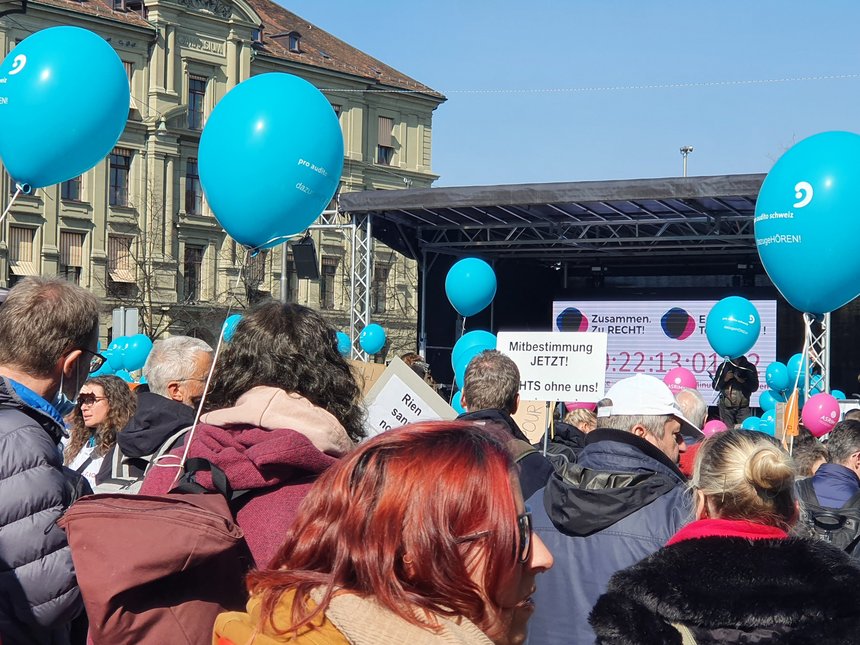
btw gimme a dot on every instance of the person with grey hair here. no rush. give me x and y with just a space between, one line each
48 338
620 502
693 406
491 394
176 372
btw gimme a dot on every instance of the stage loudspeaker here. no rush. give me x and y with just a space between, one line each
305 259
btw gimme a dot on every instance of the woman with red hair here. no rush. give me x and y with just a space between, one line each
418 536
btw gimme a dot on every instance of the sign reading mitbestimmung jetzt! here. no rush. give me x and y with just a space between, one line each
557 366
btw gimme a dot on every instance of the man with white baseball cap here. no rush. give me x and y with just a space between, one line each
618 504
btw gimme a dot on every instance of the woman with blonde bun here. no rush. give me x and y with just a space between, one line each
734 575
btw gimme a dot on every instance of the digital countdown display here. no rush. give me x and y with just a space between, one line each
655 336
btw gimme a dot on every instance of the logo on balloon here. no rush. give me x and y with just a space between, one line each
18 64
803 191
677 324
572 319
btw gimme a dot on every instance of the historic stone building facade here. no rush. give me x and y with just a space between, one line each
136 229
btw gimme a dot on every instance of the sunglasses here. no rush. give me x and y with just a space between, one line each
524 526
89 399
96 361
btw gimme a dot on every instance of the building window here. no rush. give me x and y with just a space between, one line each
71 189
129 72
120 259
193 189
192 278
120 166
71 256
295 42
196 96
21 253
327 280
379 288
292 280
385 145
337 109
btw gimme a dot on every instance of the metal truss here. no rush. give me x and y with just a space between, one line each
362 269
817 352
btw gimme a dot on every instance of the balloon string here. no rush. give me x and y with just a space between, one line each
11 201
179 467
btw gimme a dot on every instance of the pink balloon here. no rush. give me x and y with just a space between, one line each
820 413
580 405
678 378
713 427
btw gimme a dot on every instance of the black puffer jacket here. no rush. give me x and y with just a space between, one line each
734 590
38 593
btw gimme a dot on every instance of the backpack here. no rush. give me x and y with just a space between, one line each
159 568
122 480
840 527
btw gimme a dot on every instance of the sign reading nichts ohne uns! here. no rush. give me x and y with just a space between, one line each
557 366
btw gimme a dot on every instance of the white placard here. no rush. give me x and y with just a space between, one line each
655 336
557 366
399 397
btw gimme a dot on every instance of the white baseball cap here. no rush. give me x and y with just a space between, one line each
646 395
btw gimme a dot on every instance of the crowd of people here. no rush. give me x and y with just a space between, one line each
630 527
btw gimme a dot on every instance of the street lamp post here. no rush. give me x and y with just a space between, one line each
686 150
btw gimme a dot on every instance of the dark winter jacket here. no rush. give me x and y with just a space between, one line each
156 418
620 503
39 596
736 380
567 440
835 484
734 590
534 468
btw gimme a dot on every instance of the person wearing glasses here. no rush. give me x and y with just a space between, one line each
735 575
48 336
105 404
382 553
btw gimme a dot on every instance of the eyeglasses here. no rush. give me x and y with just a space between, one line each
89 399
524 526
96 361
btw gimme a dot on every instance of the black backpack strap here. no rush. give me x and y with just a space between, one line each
80 469
187 483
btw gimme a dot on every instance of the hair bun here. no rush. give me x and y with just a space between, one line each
767 469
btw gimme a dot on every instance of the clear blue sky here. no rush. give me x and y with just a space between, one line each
512 136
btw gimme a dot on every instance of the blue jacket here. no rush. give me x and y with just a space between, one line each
834 485
620 503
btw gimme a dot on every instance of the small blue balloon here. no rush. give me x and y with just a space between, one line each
61 66
470 286
808 208
777 377
125 376
344 344
797 366
457 403
137 352
462 363
838 394
732 326
751 423
116 358
475 338
766 401
768 426
372 338
278 136
230 326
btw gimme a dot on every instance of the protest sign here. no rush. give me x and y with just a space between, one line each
366 374
557 366
531 417
399 397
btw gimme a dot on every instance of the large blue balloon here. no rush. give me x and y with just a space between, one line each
344 344
277 138
470 286
462 363
63 105
117 348
476 338
229 327
797 366
457 402
809 207
372 338
137 352
732 326
777 376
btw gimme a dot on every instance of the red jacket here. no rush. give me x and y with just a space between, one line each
271 441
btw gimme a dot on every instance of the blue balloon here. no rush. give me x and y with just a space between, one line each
476 338
137 351
838 394
767 401
278 138
456 402
462 363
770 415
768 426
372 338
751 423
143 381
125 376
470 286
777 377
116 358
344 343
42 143
808 208
816 384
797 366
229 327
732 326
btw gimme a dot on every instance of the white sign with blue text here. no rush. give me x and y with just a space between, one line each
557 366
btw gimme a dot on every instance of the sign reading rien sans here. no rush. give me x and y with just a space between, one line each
557 366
